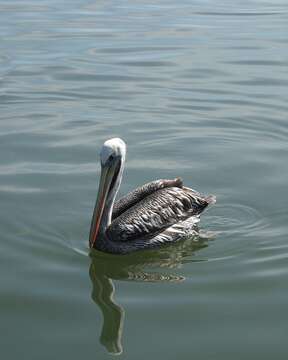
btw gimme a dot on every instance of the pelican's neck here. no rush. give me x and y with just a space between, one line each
108 208
112 158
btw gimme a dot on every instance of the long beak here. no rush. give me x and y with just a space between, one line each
104 186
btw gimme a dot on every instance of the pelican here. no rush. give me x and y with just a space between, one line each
157 213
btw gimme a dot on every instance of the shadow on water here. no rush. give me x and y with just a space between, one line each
141 267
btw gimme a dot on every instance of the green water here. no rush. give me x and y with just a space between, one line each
197 89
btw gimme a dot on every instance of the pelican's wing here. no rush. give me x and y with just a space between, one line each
142 192
156 212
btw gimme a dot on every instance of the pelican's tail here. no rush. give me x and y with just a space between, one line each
211 199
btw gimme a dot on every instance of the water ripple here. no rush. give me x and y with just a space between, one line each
238 219
25 168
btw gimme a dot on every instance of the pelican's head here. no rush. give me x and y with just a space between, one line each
112 157
112 150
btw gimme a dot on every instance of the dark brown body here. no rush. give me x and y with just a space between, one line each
162 211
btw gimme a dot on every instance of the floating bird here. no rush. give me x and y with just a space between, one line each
157 213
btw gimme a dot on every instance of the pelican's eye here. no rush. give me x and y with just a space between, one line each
111 157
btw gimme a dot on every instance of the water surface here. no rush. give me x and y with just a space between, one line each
197 89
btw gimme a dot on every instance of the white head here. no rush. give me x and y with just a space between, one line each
112 157
111 149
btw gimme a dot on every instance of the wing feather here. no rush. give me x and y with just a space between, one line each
142 192
156 212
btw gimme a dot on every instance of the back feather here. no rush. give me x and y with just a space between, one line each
156 212
142 192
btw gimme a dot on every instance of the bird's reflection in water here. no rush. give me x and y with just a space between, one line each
142 266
